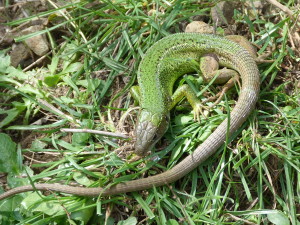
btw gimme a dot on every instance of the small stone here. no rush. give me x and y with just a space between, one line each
38 44
6 38
255 8
19 55
199 27
222 13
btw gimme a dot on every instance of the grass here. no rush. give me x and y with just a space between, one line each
252 180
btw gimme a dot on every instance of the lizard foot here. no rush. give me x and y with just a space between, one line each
198 110
218 97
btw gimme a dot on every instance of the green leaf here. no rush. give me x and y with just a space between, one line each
110 221
81 178
129 221
73 67
80 138
69 54
8 159
278 218
182 119
11 115
53 66
84 214
50 208
114 160
9 207
28 89
20 106
51 81
144 205
66 100
70 82
287 108
206 134
16 181
38 144
4 62
16 73
9 80
172 222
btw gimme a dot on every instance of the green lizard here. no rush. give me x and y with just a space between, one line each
163 63
161 68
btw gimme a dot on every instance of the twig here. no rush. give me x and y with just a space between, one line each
47 106
103 133
240 219
37 61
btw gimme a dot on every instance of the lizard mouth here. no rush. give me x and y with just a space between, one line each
146 137
150 128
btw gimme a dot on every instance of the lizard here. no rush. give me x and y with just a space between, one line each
164 62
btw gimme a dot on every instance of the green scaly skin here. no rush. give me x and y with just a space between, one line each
163 63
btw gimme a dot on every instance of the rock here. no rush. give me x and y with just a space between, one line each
19 54
38 44
6 39
256 8
222 13
199 27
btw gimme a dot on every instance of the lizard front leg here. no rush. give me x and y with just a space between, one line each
136 94
186 91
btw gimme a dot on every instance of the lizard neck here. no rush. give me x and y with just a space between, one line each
154 97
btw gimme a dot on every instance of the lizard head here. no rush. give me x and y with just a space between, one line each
150 128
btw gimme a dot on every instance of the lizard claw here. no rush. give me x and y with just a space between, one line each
198 110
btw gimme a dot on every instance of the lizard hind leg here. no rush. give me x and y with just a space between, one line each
218 97
209 66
